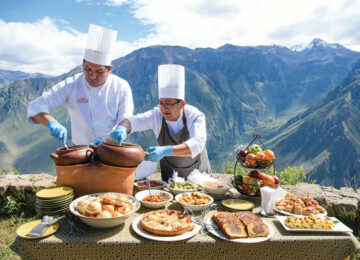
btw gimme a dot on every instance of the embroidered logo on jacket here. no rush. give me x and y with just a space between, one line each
82 100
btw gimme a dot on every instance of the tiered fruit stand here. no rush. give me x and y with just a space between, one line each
250 189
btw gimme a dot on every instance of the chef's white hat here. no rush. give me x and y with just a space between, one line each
171 81
100 45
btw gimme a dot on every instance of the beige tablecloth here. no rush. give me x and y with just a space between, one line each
123 243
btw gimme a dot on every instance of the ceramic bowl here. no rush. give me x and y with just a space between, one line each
153 205
178 191
140 185
104 222
216 188
194 208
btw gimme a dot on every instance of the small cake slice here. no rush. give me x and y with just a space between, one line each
254 225
230 225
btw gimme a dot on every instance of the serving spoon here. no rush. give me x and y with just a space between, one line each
148 185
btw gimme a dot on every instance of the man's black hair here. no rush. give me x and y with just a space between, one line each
107 67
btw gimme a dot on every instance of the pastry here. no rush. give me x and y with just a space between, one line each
93 207
114 199
108 207
254 225
81 206
116 214
230 225
299 205
166 222
241 224
124 208
104 214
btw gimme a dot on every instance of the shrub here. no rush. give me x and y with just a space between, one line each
293 175
13 203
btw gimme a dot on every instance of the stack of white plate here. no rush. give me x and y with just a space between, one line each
53 201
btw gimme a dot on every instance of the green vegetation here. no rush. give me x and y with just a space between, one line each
352 183
294 175
13 202
8 227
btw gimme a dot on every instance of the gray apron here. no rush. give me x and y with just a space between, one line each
183 165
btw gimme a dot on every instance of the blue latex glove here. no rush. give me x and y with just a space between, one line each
119 134
158 152
98 140
57 130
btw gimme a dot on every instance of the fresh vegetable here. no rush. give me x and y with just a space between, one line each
267 179
260 155
254 149
255 174
276 179
269 154
242 155
183 186
246 179
254 184
250 160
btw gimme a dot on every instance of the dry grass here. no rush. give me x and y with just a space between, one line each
7 236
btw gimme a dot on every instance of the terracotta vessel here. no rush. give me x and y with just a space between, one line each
76 154
94 177
124 155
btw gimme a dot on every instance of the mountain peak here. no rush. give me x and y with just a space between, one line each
316 43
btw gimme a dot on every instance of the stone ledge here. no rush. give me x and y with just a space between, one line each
333 200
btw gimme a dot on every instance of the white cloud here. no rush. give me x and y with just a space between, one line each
115 3
53 47
40 47
208 23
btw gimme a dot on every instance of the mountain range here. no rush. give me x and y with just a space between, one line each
303 101
8 76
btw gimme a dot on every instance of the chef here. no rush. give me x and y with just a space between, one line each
96 99
180 128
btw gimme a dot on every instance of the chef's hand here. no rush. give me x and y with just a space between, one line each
98 140
158 152
57 130
119 134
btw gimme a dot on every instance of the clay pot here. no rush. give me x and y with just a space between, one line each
76 154
124 155
94 177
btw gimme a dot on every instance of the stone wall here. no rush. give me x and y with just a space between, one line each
334 200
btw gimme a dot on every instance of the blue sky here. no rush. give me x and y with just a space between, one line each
49 36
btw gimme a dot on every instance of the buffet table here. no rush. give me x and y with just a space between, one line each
123 243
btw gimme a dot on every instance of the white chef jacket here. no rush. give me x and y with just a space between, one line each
93 111
195 120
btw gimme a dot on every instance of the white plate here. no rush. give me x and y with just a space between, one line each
339 226
292 214
216 231
140 231
295 215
